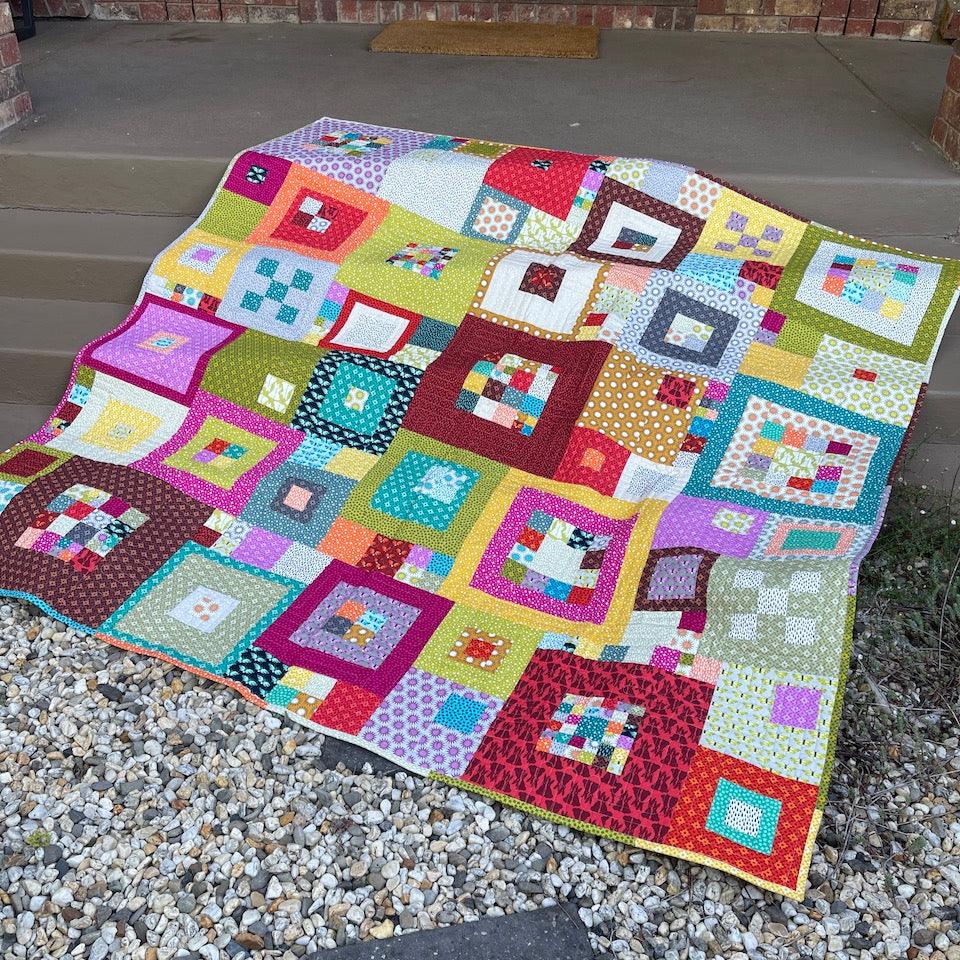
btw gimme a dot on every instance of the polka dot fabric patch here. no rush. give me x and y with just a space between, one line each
545 474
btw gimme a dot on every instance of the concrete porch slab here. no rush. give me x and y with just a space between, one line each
833 129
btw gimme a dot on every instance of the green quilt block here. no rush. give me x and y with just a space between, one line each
443 289
357 398
864 293
262 373
180 612
220 453
479 650
425 489
777 720
789 615
425 492
232 216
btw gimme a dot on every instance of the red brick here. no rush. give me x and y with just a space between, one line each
367 11
710 8
803 24
153 12
485 12
347 11
863 9
643 18
603 17
834 8
446 10
180 12
585 12
9 50
949 110
685 18
950 24
233 12
858 28
328 11
663 18
888 29
206 12
831 26
622 17
761 24
22 105
947 139
387 11
466 11
566 13
953 72
309 11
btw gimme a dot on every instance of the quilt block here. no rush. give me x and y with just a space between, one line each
542 473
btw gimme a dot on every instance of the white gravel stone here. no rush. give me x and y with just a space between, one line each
184 822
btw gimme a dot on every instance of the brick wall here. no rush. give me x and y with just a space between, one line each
14 99
884 19
946 128
950 20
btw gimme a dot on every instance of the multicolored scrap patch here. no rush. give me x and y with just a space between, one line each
544 473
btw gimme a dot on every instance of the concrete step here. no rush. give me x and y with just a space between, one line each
180 186
101 257
165 186
19 420
39 340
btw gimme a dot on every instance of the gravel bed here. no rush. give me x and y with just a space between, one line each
145 813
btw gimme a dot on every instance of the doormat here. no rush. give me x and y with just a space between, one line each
488 39
545 474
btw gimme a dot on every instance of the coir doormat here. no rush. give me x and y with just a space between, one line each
546 474
488 39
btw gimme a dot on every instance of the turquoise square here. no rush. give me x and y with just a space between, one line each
251 301
440 564
592 727
772 431
280 695
379 391
287 314
397 495
276 291
267 267
766 810
460 713
301 280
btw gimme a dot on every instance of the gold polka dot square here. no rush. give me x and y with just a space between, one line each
626 406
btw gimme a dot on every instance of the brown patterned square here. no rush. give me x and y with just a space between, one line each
89 597
629 226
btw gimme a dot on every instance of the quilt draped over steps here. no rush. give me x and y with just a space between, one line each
544 473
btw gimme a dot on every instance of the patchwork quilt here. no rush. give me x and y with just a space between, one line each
545 474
